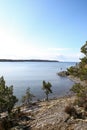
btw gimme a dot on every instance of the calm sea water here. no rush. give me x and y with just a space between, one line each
31 74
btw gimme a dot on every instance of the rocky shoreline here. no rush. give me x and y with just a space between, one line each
72 78
51 115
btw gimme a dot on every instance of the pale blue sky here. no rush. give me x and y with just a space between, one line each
42 29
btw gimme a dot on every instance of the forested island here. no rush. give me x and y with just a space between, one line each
26 60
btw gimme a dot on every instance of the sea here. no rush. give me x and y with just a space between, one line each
31 74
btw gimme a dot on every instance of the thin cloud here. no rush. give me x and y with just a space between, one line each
59 49
71 57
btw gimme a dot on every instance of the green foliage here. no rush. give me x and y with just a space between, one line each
73 70
7 99
84 49
47 88
83 61
80 70
83 74
81 93
78 89
27 98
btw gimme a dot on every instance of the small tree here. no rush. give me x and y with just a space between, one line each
7 99
47 88
27 98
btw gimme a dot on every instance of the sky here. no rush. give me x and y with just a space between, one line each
42 29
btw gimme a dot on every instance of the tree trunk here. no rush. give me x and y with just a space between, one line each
47 97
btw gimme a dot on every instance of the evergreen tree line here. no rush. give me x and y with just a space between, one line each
80 71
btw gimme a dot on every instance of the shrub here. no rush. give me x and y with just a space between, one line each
81 93
71 110
73 70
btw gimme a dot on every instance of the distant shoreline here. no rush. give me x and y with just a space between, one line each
31 60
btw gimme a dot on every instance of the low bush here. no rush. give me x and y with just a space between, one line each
81 95
71 111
